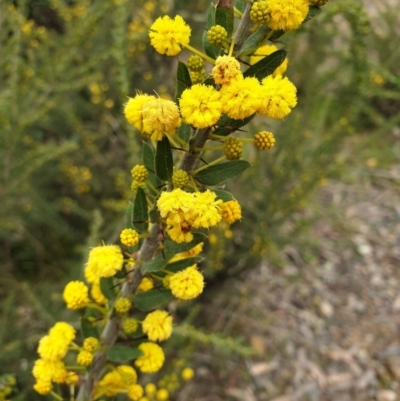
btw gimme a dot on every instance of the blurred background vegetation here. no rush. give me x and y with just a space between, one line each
66 68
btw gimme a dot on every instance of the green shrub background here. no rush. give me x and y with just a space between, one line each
66 152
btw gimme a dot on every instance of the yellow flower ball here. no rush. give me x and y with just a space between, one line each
135 392
226 69
152 359
52 348
90 344
84 358
162 394
105 260
122 305
157 325
76 295
47 371
128 375
63 331
187 374
134 110
187 284
43 387
231 211
287 14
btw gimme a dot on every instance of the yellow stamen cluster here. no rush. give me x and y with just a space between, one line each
139 173
168 36
195 63
259 12
129 237
122 305
84 358
226 69
90 344
233 148
287 14
76 295
157 325
231 211
180 178
152 359
187 284
130 325
187 374
264 140
105 261
135 185
184 210
217 35
146 284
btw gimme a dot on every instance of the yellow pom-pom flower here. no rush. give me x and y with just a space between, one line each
72 378
264 140
195 63
265 51
157 325
76 295
84 358
63 331
146 284
109 385
231 211
52 348
43 387
259 12
150 389
162 394
187 284
130 325
217 35
200 106
241 98
90 344
128 375
129 237
287 14
226 69
152 359
176 203
160 116
122 305
233 148
168 36
105 260
135 392
205 210
187 374
134 110
139 173
278 97
45 370
180 178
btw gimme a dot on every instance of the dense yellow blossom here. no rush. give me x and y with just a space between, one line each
130 325
52 348
265 51
135 392
47 371
205 210
90 344
157 325
150 389
160 116
200 106
240 98
278 97
43 387
139 173
162 394
152 358
110 384
63 331
187 284
105 260
129 237
146 284
71 378
76 295
231 211
134 110
84 358
168 36
226 69
128 375
122 305
264 140
287 14
187 374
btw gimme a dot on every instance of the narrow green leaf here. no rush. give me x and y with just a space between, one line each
89 328
214 175
106 286
211 16
254 41
175 248
183 80
184 132
164 162
227 125
140 211
154 265
148 156
267 65
182 264
224 195
240 5
153 299
129 215
224 17
122 353
210 50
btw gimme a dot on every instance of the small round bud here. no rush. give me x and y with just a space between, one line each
136 184
129 237
91 344
318 3
84 358
122 305
217 35
233 148
259 12
139 173
130 325
195 63
264 140
197 77
180 178
187 374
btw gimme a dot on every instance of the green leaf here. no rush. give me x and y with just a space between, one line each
240 5
254 41
153 265
267 65
183 80
312 12
164 162
224 195
227 125
211 16
210 50
148 156
224 17
182 264
140 211
129 215
153 299
175 248
214 175
184 132
122 353
107 287
89 328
